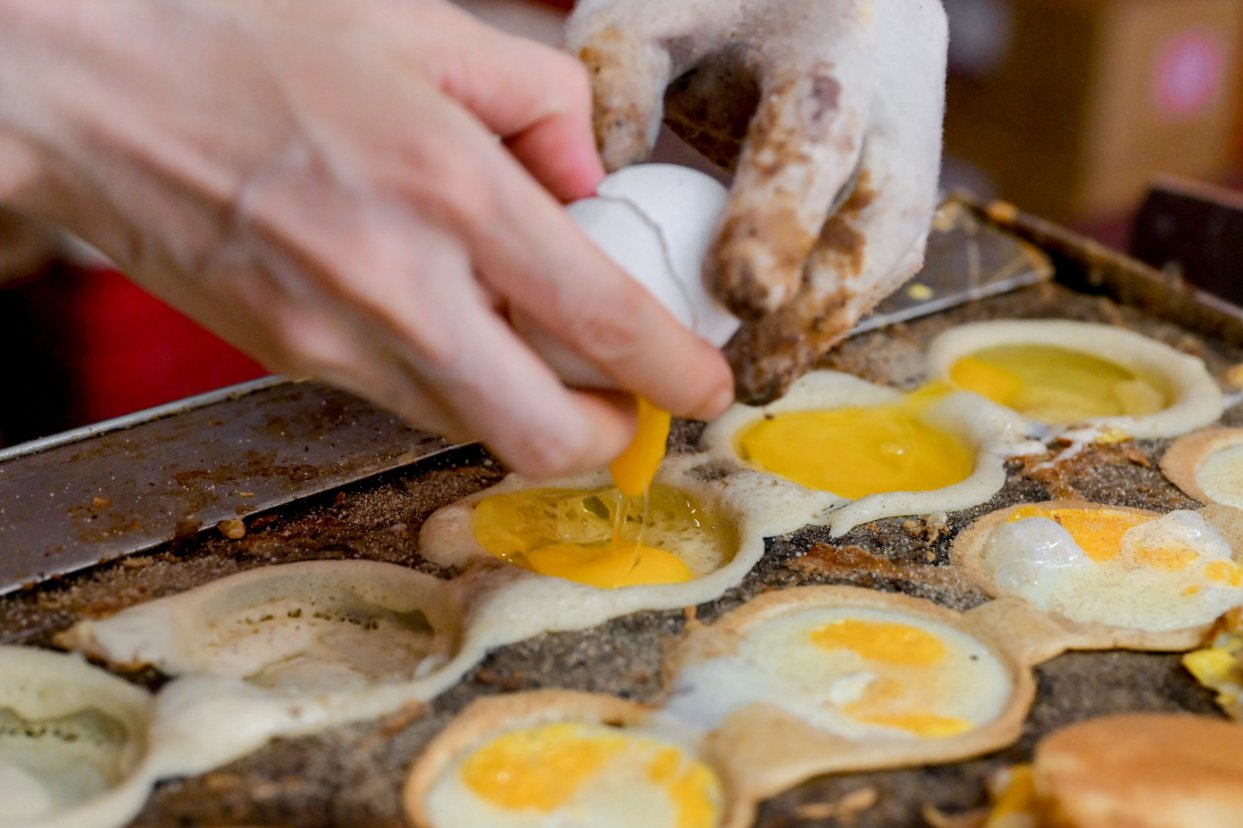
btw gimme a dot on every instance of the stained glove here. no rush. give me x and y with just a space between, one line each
828 111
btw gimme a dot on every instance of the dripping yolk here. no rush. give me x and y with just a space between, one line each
855 452
1098 532
1057 385
883 641
635 467
598 537
542 768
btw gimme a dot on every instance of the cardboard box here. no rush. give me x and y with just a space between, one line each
1086 100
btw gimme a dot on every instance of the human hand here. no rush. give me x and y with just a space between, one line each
322 183
836 173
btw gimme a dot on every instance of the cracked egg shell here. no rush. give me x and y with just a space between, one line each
745 509
656 222
551 758
331 641
814 680
1208 466
939 450
73 742
1113 576
1063 373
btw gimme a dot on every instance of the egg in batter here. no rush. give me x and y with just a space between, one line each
551 759
814 680
601 537
576 552
1063 373
858 451
1107 565
1208 465
878 452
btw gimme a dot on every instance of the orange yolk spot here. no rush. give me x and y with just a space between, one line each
612 566
1017 799
883 641
1169 559
1226 572
538 768
690 785
542 768
888 702
599 537
855 452
1098 532
927 725
1057 385
635 468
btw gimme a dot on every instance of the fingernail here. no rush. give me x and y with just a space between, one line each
720 401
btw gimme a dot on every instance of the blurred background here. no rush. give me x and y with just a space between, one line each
1067 108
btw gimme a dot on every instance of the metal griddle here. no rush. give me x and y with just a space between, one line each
377 482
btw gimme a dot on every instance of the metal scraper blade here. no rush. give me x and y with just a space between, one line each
967 259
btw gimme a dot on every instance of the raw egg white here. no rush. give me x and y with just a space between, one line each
1107 565
1061 373
874 451
551 759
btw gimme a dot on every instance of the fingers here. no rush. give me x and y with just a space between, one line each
503 394
802 147
536 98
872 244
544 266
631 51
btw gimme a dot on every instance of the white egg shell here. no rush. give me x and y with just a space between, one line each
656 222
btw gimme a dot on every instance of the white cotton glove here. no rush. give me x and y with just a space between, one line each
356 191
835 174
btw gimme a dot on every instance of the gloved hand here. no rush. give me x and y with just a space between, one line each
836 171
354 191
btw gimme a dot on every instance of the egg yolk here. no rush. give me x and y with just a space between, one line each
855 452
1098 532
1226 572
888 703
635 468
542 768
597 537
882 641
1017 804
538 768
927 725
1057 385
